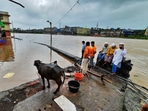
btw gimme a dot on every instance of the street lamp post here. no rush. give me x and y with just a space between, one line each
50 39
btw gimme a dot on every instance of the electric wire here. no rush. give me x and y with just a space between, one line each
68 12
81 7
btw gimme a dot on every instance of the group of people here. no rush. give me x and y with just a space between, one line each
88 53
112 55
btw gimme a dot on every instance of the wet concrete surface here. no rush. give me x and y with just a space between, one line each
92 96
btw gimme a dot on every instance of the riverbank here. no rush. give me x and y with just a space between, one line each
140 37
134 36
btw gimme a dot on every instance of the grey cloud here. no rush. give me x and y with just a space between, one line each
112 13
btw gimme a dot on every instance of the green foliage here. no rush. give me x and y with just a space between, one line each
137 37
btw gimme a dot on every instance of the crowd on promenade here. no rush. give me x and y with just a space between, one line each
109 54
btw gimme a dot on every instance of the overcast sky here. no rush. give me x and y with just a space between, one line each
87 13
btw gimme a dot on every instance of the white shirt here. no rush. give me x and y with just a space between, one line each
118 56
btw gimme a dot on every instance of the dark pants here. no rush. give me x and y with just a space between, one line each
82 54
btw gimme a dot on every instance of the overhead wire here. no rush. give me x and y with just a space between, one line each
81 6
68 11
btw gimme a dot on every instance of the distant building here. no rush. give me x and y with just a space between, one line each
146 32
110 32
66 30
127 32
48 30
95 31
74 30
83 31
4 17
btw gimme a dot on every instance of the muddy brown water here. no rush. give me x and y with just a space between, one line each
17 58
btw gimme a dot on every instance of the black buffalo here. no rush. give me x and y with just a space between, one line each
50 71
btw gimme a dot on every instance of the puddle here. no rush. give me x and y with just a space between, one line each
8 75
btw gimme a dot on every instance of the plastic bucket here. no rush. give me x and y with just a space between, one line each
73 86
78 76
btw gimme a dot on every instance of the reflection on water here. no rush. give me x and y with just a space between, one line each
6 50
26 51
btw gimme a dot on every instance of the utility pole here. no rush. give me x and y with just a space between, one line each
50 39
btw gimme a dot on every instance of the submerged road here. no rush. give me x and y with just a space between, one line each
21 70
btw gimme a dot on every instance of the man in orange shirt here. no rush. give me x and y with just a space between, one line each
93 52
86 56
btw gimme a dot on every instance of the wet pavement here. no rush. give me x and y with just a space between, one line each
92 96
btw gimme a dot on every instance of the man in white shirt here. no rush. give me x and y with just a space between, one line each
118 56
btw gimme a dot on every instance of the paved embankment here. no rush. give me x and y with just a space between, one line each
92 96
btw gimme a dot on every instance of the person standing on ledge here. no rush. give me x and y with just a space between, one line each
93 52
118 57
83 48
86 57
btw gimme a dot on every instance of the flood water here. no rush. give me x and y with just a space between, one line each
17 58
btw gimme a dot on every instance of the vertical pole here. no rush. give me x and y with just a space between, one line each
50 41
13 37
